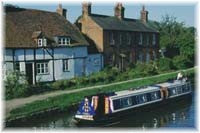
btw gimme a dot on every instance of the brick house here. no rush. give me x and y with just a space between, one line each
121 40
45 46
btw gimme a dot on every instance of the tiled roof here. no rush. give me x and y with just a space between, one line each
22 25
126 24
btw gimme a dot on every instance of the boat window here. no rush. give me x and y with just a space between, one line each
134 100
184 88
172 91
142 98
179 89
148 96
116 104
155 95
126 102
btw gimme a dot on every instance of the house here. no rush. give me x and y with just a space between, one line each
121 40
45 46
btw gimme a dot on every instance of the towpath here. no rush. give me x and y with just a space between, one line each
15 103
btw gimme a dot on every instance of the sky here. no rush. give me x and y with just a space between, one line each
183 12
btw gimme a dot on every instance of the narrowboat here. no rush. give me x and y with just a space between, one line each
106 107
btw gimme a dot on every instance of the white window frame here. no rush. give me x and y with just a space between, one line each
140 39
65 65
112 41
64 41
42 68
42 42
154 39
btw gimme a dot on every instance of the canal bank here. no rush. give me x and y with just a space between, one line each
65 102
180 114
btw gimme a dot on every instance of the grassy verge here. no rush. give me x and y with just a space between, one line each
64 101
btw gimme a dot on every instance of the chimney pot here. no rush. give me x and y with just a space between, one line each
86 8
61 11
119 11
144 15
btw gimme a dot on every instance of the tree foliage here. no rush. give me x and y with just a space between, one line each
178 41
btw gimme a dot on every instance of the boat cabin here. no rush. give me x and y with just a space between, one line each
105 104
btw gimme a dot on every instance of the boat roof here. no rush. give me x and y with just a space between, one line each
172 83
133 91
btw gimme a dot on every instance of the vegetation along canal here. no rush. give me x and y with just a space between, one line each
180 114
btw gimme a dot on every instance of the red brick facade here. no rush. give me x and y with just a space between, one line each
120 47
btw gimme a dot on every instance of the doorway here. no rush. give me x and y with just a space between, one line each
29 73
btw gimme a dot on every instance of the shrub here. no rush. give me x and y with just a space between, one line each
15 85
165 64
181 62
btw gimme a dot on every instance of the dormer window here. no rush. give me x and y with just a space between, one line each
42 42
64 41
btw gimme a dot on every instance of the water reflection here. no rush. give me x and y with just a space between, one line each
180 114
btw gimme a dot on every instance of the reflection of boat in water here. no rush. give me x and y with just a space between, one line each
106 107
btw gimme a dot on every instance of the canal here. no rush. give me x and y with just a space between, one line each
179 114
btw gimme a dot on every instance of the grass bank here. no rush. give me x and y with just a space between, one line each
63 102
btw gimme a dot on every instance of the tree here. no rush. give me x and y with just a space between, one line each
178 40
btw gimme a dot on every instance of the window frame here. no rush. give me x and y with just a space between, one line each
112 41
65 66
17 66
120 39
64 40
128 38
140 39
42 68
154 39
42 42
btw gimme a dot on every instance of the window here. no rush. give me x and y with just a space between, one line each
42 42
140 57
120 39
65 65
154 39
17 66
140 40
96 61
42 68
64 41
116 104
179 89
128 38
155 95
126 102
147 39
112 41
147 57
154 55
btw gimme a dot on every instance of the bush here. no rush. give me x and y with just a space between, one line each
181 62
16 85
165 64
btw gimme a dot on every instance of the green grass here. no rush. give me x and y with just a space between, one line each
63 102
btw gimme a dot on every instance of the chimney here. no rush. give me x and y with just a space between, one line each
61 11
86 8
119 11
144 15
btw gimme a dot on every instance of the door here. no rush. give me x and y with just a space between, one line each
29 73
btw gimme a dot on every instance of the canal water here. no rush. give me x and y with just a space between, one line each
175 115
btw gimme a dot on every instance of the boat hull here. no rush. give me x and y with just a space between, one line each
110 118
